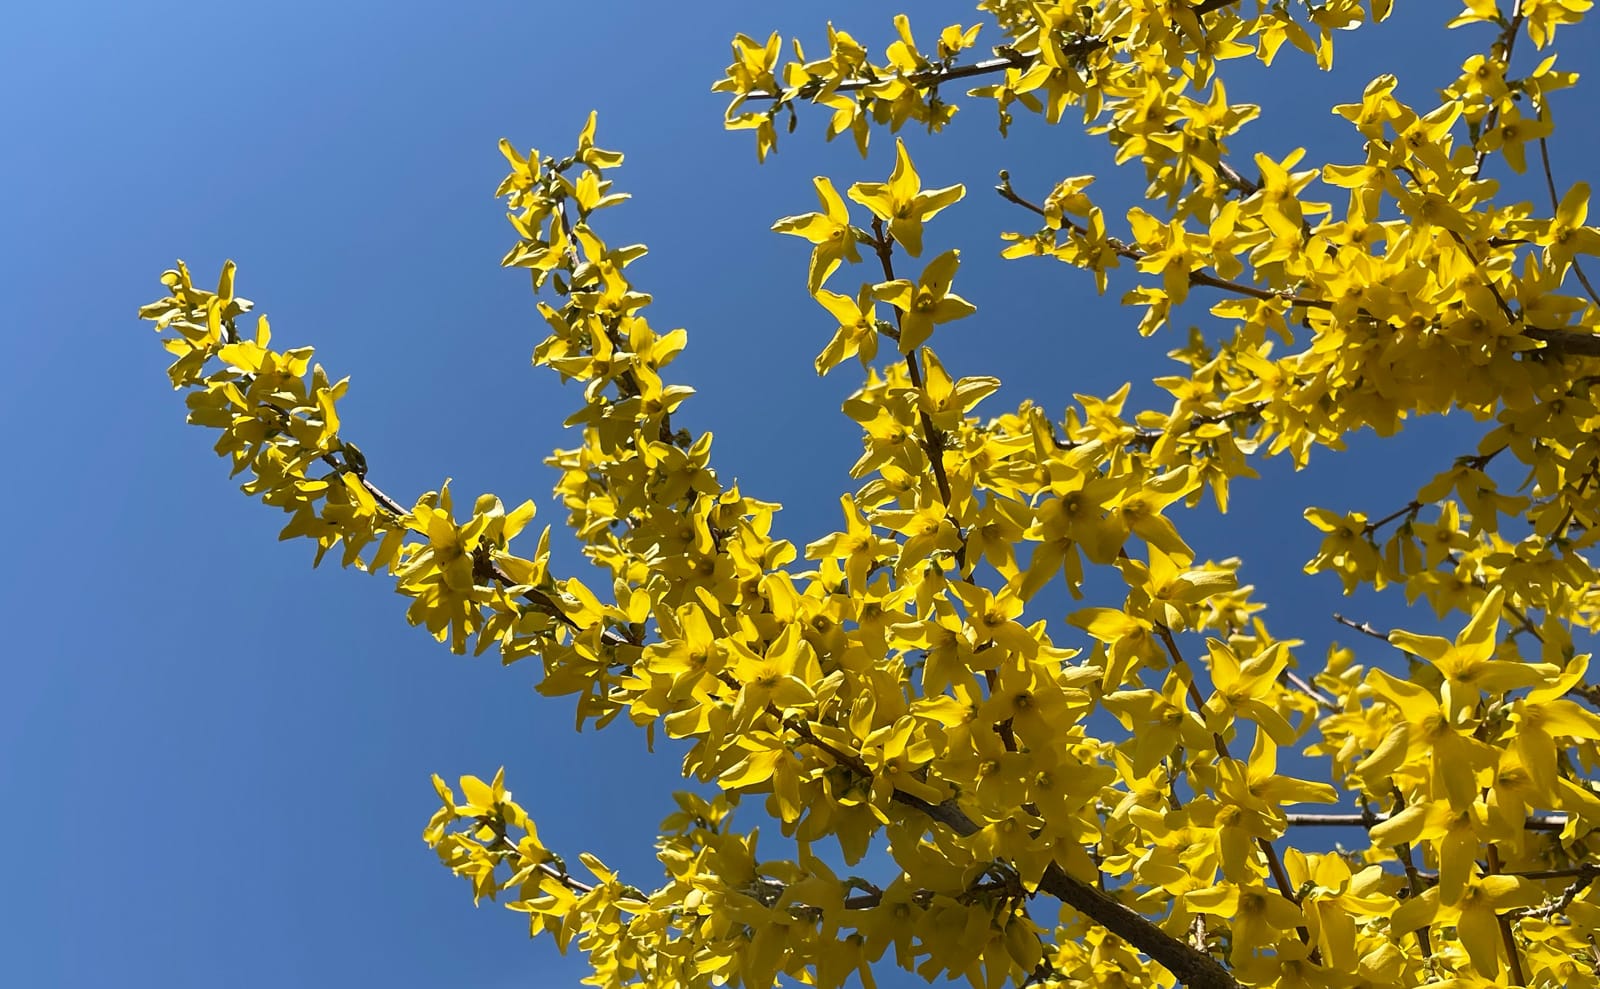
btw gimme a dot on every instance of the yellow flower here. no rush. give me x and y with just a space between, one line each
1511 132
1544 16
858 546
780 677
901 201
927 303
1545 715
1255 913
829 230
1568 235
1424 742
1467 664
1245 689
857 335
596 158
1475 916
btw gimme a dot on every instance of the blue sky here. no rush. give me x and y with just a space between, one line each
216 759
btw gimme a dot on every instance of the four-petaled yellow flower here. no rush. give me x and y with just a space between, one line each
829 230
1468 664
857 335
1568 235
927 303
902 203
1475 915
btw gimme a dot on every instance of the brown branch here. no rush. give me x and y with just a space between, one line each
1588 870
628 382
1523 620
1565 342
933 438
1362 627
800 727
484 564
1247 186
867 899
1559 341
1536 823
1410 508
1305 687
1475 462
1005 729
1521 617
1507 937
1147 436
1193 968
543 868
1500 300
1568 896
926 79
354 463
1413 879
1506 41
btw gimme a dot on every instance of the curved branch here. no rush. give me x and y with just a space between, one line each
1191 966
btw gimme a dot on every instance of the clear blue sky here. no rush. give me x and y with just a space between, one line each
215 760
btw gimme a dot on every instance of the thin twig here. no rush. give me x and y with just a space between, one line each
544 868
1567 898
1306 688
1411 508
1414 882
1559 341
1536 823
1507 41
934 76
1588 870
933 438
1362 627
926 79
1507 937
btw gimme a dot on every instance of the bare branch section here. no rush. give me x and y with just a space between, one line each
1540 822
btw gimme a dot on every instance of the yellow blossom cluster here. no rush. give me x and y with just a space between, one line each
901 692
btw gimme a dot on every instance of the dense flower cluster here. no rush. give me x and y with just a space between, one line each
896 692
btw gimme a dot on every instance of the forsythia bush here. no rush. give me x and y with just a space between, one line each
888 688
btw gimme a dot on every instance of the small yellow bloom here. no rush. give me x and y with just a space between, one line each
829 230
857 335
927 303
902 203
